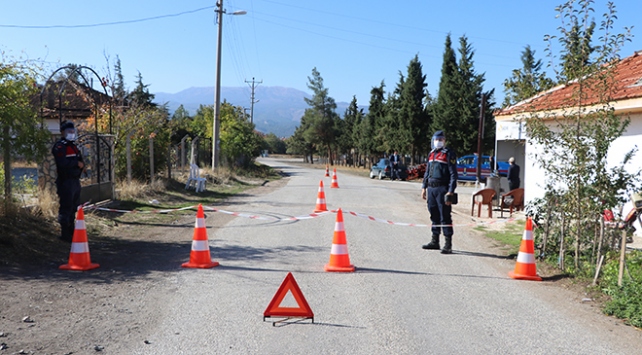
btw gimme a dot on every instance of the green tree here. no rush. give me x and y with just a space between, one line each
457 108
203 121
21 132
140 95
573 146
275 145
394 129
373 120
321 115
297 144
527 81
445 109
351 120
239 143
119 92
470 97
412 109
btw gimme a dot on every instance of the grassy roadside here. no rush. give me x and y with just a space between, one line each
507 237
29 237
624 302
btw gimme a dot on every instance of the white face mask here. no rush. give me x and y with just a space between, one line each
438 144
70 137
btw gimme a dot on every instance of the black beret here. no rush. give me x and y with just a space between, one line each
66 125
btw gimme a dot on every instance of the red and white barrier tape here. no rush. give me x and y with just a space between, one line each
93 207
297 218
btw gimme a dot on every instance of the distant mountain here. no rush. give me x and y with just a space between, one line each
278 111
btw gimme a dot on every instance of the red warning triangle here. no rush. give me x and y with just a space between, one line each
274 309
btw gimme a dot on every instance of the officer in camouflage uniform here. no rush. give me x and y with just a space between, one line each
69 166
440 180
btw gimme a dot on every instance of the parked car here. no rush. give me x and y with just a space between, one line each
381 170
467 167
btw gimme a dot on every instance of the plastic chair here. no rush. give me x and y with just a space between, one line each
483 197
513 200
194 177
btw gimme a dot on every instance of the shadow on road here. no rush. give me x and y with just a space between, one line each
483 255
371 270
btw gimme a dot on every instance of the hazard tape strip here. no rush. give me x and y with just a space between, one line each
303 217
267 218
385 221
93 207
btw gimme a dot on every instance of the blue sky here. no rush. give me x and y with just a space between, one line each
355 44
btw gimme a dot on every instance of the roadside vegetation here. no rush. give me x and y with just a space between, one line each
29 233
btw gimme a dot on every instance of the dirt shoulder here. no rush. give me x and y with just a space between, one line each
44 310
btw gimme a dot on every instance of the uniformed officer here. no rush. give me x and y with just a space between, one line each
69 166
440 180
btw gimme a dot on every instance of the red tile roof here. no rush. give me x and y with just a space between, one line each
628 85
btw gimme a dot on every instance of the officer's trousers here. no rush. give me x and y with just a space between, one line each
69 194
440 213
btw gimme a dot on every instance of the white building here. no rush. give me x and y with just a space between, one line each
512 139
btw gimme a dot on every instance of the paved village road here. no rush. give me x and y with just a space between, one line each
400 300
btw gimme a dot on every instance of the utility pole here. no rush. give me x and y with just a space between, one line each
216 126
253 86
217 90
480 131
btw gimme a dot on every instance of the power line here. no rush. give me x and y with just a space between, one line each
110 23
384 22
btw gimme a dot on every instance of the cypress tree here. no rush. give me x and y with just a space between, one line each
371 122
444 111
394 131
412 109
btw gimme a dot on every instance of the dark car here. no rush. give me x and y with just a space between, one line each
382 170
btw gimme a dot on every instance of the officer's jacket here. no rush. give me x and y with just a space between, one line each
441 168
67 157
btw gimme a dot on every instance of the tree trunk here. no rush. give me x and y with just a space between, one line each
561 255
7 167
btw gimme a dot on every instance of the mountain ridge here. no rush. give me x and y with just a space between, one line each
278 110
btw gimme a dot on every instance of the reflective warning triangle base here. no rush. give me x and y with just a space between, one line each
274 309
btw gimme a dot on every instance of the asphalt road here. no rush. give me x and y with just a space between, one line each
401 299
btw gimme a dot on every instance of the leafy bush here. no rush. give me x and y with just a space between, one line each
626 301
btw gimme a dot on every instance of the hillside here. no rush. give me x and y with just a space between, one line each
278 110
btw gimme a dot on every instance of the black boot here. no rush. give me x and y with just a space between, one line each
448 246
70 231
434 243
65 234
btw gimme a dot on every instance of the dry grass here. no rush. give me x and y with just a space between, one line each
129 191
47 203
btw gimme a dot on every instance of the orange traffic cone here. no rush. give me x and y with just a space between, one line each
335 184
321 207
200 256
79 258
339 258
327 171
525 268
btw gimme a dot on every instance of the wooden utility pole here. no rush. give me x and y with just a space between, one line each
480 136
